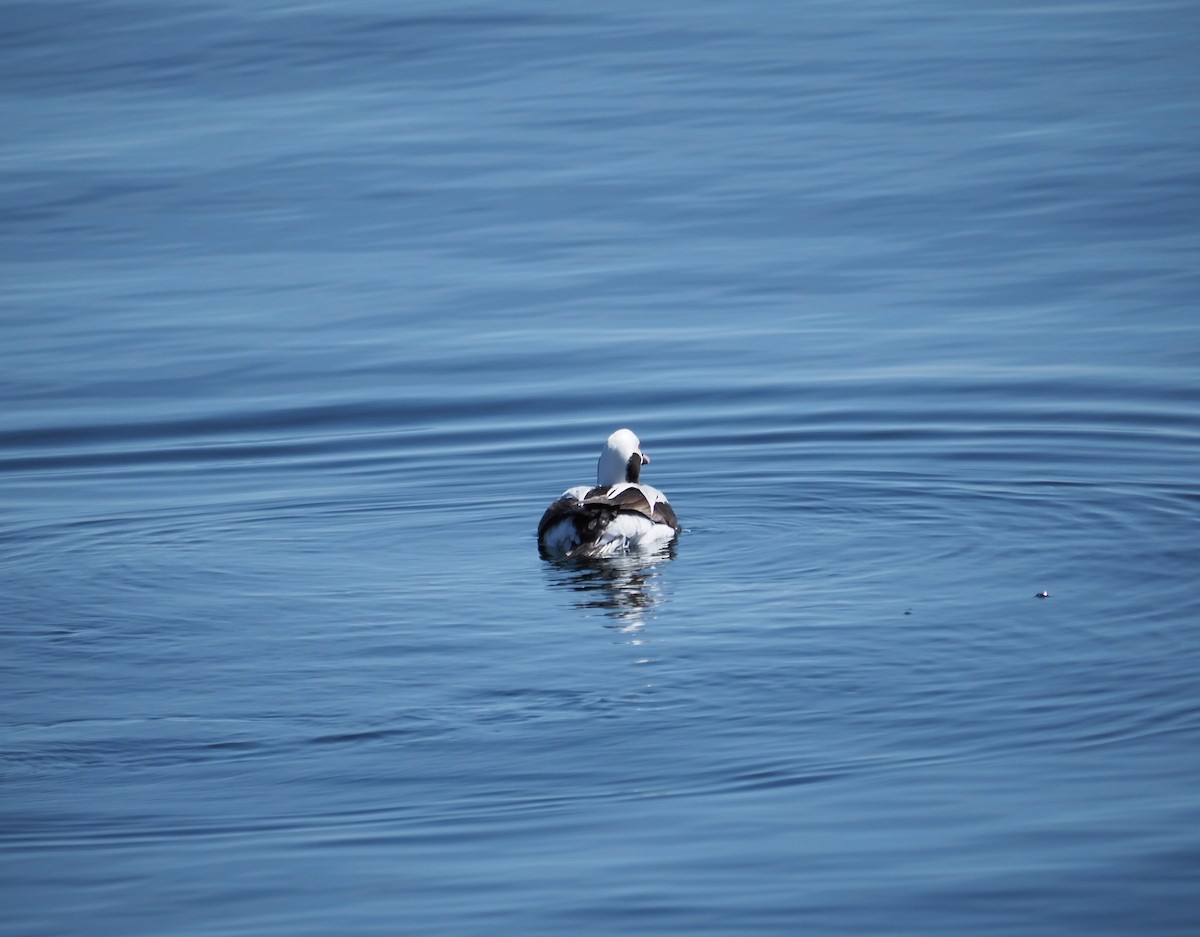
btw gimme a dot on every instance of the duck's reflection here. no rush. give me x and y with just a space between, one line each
623 588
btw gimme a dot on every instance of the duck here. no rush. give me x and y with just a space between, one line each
619 515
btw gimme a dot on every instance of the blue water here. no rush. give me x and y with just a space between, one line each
308 310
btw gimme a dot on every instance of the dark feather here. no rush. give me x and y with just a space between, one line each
665 514
633 501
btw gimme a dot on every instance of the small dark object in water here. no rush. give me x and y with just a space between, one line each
1042 595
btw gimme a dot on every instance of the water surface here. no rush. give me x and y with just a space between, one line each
306 313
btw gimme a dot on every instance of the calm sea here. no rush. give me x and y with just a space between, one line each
307 310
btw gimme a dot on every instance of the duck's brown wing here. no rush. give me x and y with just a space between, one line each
560 510
588 518
633 499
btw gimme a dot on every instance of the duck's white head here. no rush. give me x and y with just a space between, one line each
621 459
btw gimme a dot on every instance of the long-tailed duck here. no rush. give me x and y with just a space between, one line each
619 515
